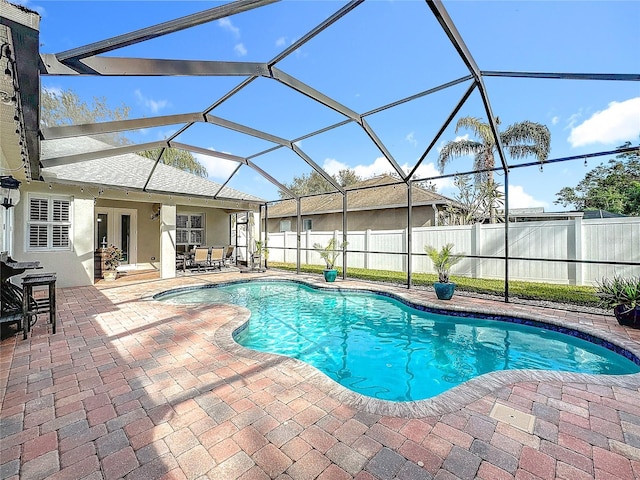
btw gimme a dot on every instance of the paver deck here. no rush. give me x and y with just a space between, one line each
133 388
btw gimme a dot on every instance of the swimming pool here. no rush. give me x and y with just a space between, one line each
384 348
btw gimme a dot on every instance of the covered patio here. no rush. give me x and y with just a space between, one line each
134 388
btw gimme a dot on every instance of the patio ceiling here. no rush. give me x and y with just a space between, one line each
92 60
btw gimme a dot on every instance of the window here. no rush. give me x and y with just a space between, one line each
190 229
285 225
49 223
307 224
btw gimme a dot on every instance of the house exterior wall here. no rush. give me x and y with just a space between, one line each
75 267
387 219
72 267
216 232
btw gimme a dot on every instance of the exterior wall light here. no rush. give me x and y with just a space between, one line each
9 191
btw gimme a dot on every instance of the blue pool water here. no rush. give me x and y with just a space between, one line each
380 347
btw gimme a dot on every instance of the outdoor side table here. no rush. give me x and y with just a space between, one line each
43 305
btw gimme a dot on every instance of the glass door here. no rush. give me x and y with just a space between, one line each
117 226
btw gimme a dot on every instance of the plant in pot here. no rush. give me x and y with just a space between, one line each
622 294
443 260
260 255
330 254
112 256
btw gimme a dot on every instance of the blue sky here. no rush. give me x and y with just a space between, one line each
381 52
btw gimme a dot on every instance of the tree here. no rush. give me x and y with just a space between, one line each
520 140
614 187
472 202
66 108
180 159
314 183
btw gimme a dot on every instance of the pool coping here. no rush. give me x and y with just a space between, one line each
446 402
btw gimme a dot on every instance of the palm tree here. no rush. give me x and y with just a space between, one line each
519 140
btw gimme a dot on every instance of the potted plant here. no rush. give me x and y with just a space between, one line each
443 260
112 256
330 254
622 294
260 253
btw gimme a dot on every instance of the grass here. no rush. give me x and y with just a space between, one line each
572 294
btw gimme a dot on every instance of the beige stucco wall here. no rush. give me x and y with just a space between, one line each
74 267
216 232
388 219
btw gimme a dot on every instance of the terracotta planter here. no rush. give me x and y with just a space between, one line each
627 318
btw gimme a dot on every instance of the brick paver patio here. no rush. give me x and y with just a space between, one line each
137 389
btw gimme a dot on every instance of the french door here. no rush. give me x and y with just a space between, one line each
118 226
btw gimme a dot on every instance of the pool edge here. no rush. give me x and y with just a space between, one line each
453 399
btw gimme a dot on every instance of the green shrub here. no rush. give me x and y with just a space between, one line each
571 294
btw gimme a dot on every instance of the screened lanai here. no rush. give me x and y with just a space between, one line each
264 92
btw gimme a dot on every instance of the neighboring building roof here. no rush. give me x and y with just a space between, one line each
128 171
388 194
591 214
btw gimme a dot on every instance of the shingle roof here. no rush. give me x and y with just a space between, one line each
128 171
388 194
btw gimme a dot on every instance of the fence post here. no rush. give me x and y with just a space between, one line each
577 277
405 239
284 247
307 240
367 242
476 244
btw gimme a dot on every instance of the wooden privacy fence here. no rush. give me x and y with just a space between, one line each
559 251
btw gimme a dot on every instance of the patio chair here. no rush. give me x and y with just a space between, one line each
201 258
11 306
228 255
217 257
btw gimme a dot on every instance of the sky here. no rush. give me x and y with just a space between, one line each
381 52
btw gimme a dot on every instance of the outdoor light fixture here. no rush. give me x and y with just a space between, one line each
9 191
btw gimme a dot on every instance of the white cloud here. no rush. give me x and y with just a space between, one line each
225 24
281 42
240 50
217 168
55 91
620 121
411 139
381 165
154 105
518 198
555 120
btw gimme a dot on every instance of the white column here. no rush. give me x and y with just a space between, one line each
168 241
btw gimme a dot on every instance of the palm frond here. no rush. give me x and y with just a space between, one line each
527 138
458 148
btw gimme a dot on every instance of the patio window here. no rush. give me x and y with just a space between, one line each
190 229
285 225
307 224
49 223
